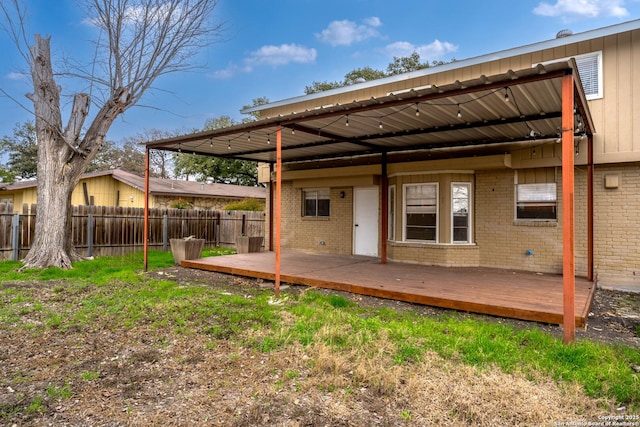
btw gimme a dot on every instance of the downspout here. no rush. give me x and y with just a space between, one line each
145 233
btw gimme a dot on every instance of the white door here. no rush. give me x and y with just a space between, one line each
365 221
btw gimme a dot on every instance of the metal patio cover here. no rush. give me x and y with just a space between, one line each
505 110
528 106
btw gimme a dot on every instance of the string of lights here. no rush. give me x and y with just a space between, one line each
458 107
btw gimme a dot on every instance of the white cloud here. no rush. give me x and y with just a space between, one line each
282 55
374 21
428 52
16 76
225 73
268 55
138 14
344 33
582 8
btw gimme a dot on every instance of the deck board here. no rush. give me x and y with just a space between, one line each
504 293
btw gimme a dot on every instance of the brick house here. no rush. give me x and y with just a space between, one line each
120 188
462 164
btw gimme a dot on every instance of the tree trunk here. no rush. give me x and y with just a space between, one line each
58 171
52 245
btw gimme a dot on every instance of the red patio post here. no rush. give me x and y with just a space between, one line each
271 195
590 209
568 238
384 208
278 204
145 231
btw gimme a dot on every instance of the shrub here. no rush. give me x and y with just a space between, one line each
180 204
246 205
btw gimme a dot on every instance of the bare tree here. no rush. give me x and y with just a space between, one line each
160 161
140 40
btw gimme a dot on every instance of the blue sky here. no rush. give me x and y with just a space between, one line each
274 49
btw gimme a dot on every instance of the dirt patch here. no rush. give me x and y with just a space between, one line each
143 376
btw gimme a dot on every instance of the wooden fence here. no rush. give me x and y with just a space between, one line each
102 230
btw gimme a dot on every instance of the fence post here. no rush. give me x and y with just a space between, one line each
165 232
90 235
15 237
217 229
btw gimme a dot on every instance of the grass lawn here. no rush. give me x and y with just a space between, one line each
108 342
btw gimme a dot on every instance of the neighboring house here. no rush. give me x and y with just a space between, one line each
120 188
461 164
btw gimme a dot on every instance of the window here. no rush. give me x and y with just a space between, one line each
590 70
421 212
536 201
316 203
391 232
460 207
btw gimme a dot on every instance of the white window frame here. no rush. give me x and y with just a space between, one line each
469 213
391 214
404 211
578 58
317 191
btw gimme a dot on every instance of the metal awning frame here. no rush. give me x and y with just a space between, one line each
349 130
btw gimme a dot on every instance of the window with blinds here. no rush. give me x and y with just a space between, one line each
590 70
536 201
421 212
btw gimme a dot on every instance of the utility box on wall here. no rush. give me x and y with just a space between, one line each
611 181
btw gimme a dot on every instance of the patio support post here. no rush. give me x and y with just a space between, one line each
384 208
590 208
145 232
568 237
278 204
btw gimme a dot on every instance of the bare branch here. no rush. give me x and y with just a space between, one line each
19 103
147 39
79 113
14 25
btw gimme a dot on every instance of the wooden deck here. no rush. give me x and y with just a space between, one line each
505 293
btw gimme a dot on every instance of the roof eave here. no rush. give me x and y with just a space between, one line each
507 53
